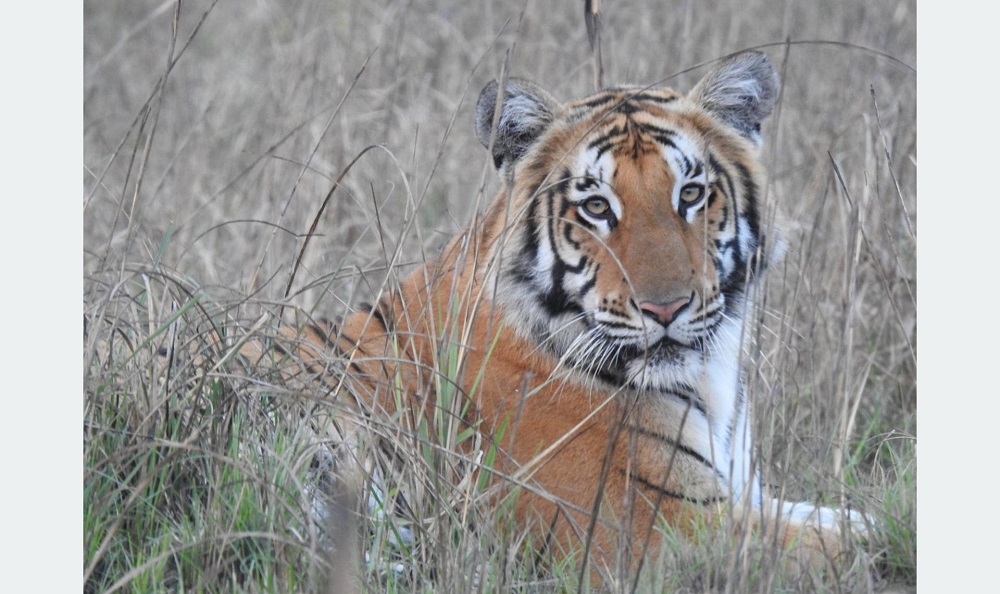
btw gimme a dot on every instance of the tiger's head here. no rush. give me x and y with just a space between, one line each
631 222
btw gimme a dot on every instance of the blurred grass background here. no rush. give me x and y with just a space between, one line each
213 133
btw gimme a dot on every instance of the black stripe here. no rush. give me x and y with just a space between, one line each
530 241
358 371
724 174
652 434
591 282
626 107
604 148
310 365
669 493
608 324
586 182
653 98
750 198
323 333
281 349
596 101
568 235
689 396
701 316
655 130
607 136
617 313
714 189
387 325
554 299
665 141
687 163
583 222
752 218
610 378
710 318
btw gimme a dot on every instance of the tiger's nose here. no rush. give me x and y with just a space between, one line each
664 313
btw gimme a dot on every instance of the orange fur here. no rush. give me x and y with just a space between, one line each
577 444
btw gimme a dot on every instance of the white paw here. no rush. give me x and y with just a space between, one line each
825 518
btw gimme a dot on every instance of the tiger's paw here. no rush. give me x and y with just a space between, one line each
825 519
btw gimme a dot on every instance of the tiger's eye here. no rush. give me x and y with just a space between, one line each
692 193
597 206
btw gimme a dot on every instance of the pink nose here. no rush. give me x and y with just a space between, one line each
664 313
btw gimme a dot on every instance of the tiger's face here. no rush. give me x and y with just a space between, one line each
635 227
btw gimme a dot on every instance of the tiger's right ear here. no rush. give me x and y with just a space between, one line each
527 111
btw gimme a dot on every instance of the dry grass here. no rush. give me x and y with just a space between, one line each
212 138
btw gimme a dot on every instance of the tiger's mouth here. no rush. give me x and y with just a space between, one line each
617 363
664 349
610 356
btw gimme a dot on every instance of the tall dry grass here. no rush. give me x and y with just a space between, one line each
214 132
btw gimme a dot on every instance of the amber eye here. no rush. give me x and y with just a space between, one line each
692 193
597 207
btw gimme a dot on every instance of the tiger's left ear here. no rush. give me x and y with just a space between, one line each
741 91
526 113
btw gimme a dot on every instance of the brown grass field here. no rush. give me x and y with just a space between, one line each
213 136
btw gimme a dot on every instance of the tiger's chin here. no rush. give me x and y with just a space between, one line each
663 366
667 350
670 364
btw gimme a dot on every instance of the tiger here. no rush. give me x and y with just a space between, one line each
598 310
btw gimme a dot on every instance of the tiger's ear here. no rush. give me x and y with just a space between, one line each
741 91
527 111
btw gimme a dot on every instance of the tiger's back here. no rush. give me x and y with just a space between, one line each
591 322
